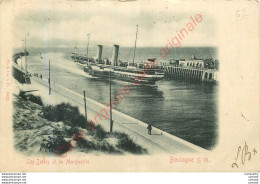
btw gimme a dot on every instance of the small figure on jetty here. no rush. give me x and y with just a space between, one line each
149 129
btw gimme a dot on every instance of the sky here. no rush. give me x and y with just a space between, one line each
111 25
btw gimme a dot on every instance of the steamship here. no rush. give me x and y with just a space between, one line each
131 72
137 73
116 69
134 72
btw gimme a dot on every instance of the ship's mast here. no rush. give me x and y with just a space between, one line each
110 95
25 58
25 52
135 42
88 35
49 80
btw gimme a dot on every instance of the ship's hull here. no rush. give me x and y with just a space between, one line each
124 76
137 79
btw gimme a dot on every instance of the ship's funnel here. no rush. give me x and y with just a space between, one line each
115 55
99 52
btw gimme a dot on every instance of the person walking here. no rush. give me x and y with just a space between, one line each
149 129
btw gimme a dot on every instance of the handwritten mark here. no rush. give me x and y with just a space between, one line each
241 14
243 155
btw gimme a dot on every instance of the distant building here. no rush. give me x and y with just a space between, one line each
197 63
192 63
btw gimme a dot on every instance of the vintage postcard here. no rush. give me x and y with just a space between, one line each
129 86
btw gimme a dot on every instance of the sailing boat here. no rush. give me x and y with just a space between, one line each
131 72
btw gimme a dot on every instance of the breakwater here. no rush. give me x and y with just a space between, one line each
20 75
17 71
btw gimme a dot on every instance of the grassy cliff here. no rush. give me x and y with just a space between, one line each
40 129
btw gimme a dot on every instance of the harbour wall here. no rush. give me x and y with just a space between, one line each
191 74
20 75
